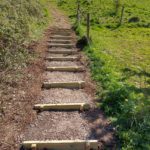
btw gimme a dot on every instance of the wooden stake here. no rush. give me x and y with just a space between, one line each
88 27
87 146
33 147
122 13
78 12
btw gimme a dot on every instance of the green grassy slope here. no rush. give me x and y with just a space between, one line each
20 23
120 63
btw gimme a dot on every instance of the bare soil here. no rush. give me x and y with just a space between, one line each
65 96
18 98
70 126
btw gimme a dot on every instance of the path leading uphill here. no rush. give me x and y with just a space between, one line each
67 118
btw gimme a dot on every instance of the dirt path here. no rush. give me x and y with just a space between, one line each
68 125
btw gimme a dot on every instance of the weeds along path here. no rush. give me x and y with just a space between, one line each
67 117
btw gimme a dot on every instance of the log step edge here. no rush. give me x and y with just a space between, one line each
67 69
62 58
70 85
62 51
63 106
62 145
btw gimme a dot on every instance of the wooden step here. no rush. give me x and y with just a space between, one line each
61 45
61 37
60 41
62 30
67 69
62 58
62 33
63 51
63 106
68 85
62 145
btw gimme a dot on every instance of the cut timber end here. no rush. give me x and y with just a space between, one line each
62 51
69 85
62 58
67 69
65 106
64 145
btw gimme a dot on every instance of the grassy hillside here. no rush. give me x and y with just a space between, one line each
20 23
120 63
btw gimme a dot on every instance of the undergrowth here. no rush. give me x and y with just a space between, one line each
119 57
20 23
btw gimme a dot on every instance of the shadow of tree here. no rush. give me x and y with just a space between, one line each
101 129
128 72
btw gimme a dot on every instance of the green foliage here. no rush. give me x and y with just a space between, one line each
119 59
122 101
104 14
19 23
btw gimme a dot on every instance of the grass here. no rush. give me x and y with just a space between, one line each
129 52
120 67
20 24
120 64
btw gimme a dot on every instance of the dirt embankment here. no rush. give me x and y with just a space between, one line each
18 97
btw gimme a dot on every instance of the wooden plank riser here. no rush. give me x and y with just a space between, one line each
61 33
67 69
62 52
61 46
62 30
60 41
62 59
70 106
63 145
61 38
66 32
71 85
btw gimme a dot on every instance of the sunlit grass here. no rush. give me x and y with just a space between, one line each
120 65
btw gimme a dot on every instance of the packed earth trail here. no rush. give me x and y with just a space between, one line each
67 117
